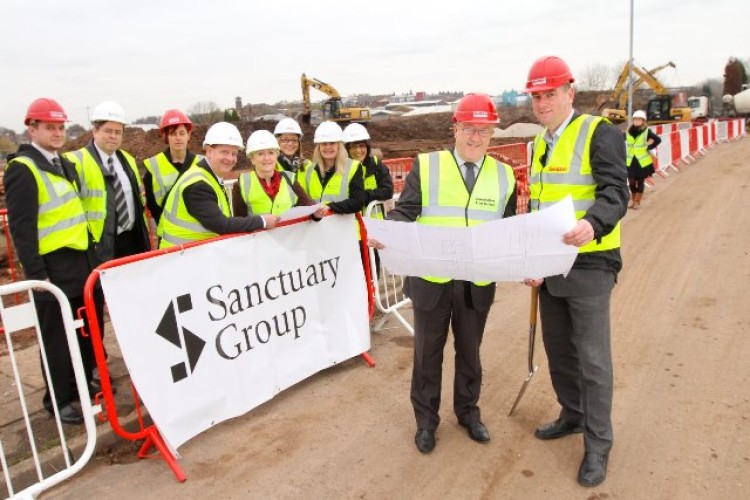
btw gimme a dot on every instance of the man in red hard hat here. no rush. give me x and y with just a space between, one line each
453 188
582 156
48 224
163 169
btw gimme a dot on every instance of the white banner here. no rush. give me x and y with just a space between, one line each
214 331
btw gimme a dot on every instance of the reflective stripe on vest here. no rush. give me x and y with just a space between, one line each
177 226
638 147
335 189
61 221
94 188
257 200
163 175
446 201
568 171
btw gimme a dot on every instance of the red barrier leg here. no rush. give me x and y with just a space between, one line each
368 359
153 439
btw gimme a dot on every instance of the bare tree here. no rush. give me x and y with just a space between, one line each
596 76
205 112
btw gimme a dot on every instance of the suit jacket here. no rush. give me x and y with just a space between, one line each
425 294
105 248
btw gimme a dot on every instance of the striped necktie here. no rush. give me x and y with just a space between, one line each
121 206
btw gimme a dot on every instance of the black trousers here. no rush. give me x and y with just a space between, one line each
56 347
454 308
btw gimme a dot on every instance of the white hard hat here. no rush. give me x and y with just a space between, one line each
355 132
287 126
639 114
109 111
223 133
328 132
260 140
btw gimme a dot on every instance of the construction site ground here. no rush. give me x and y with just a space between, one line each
681 344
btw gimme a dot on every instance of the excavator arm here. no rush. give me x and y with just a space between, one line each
333 106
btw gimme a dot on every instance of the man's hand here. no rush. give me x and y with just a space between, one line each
271 220
375 244
533 283
580 235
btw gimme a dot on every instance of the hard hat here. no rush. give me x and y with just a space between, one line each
476 108
287 126
109 111
355 132
260 140
328 132
548 73
223 133
174 117
639 114
45 109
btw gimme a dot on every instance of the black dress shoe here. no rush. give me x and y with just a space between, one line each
593 469
478 432
69 414
425 440
557 429
95 387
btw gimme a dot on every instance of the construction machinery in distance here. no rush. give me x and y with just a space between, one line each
664 107
333 108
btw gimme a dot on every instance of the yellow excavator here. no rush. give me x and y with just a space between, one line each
333 108
661 108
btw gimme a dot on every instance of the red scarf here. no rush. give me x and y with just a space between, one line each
272 187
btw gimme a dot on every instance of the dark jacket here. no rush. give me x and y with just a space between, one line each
384 191
66 268
635 166
201 202
105 248
148 185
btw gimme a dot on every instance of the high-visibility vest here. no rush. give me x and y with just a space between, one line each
61 221
446 201
163 175
568 171
336 190
94 188
305 164
177 226
371 183
257 200
638 148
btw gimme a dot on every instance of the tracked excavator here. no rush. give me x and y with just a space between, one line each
333 108
662 108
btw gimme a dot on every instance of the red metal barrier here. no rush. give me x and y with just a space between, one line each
399 168
693 140
150 434
9 248
514 154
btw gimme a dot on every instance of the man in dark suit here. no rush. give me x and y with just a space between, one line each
461 187
582 156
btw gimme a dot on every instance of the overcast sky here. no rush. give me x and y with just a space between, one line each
158 54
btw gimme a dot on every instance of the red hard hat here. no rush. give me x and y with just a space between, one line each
476 108
174 117
45 109
547 73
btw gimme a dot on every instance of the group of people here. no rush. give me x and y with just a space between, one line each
70 212
69 208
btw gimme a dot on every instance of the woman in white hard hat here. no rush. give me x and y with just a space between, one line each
378 183
289 134
333 178
266 190
163 169
639 140
197 207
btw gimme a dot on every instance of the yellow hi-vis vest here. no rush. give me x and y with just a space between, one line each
336 190
568 171
257 200
177 226
61 221
638 147
163 175
372 183
446 201
94 188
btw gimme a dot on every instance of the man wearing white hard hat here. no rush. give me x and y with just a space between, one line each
111 187
639 140
197 208
289 134
265 189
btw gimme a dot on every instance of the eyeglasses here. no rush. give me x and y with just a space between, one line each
481 132
357 145
288 141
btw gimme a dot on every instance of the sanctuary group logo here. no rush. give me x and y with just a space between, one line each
190 344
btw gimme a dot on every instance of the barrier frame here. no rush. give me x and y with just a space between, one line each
150 434
19 317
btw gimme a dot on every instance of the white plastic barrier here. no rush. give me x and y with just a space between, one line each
389 294
23 316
